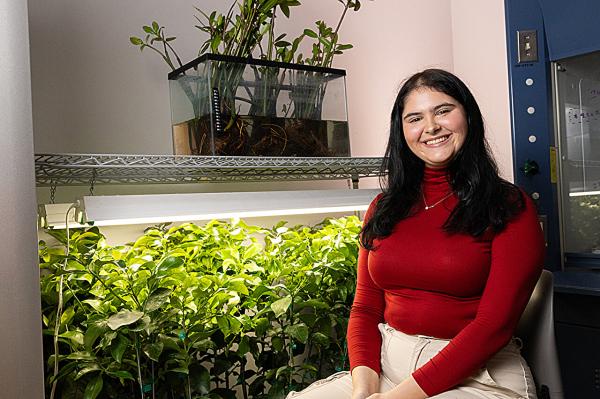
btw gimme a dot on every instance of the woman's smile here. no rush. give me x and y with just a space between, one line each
436 141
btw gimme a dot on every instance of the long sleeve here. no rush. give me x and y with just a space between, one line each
517 255
364 339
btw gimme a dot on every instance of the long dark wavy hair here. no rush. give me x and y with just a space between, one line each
485 200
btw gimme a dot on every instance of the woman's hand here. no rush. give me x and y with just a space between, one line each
365 381
407 389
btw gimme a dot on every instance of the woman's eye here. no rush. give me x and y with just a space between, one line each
443 111
413 120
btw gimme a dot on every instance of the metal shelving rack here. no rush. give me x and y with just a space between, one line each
53 170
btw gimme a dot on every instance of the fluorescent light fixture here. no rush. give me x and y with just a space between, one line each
583 193
113 210
53 215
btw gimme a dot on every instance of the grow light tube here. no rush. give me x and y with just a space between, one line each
114 210
584 193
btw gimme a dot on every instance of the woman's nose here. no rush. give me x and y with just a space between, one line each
431 126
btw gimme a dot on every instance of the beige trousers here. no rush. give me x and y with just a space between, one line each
505 375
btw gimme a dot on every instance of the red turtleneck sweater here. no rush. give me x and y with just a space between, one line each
421 280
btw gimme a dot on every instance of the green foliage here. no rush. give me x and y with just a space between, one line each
182 311
249 30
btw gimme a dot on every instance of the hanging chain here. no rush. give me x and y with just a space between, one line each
92 182
52 192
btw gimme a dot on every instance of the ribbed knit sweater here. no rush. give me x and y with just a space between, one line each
422 280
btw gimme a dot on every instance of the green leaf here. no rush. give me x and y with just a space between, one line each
298 331
96 304
142 325
239 285
283 370
281 306
310 33
252 250
234 324
200 378
118 347
170 262
277 343
157 299
88 369
94 331
320 339
181 370
155 26
124 318
243 346
169 342
75 336
86 356
93 388
154 350
122 374
312 303
67 316
223 324
261 326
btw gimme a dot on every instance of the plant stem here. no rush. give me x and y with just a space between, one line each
153 391
165 58
291 346
56 332
139 366
106 286
243 377
327 60
337 28
77 299
60 304
271 36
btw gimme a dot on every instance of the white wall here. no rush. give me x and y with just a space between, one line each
21 362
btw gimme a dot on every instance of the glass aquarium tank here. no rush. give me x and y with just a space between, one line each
231 106
577 111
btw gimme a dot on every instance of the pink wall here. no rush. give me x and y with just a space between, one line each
479 58
390 45
392 40
396 39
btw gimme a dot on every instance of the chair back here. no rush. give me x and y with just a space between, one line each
536 330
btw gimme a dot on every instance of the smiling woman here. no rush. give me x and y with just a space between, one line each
450 255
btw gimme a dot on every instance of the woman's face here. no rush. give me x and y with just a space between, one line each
435 126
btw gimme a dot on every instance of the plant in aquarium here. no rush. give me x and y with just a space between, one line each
193 311
248 95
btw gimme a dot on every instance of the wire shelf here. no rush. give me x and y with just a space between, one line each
89 169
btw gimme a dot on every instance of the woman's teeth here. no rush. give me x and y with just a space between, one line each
438 140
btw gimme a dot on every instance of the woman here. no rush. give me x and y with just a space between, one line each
450 254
